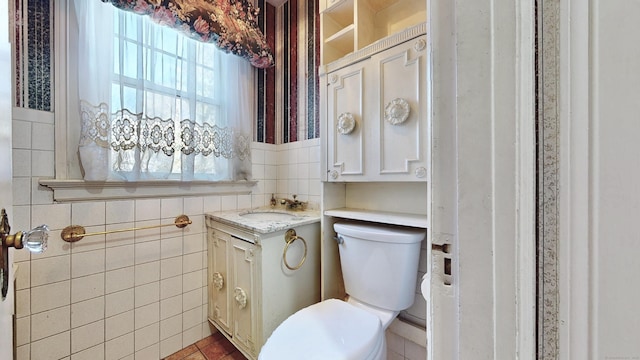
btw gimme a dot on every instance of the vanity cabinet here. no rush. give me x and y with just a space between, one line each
376 116
251 291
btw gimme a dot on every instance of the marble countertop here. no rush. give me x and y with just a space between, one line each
266 220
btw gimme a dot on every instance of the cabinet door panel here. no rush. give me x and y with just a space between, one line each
401 112
245 297
220 307
345 100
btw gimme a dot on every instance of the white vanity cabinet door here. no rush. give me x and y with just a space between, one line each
220 279
398 113
376 113
347 124
246 295
233 288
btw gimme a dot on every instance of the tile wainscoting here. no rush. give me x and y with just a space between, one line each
132 295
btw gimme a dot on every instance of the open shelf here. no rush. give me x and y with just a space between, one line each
360 23
393 218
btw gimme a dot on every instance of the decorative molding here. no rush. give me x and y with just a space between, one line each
217 280
421 172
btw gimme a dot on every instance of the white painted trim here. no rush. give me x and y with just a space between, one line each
573 269
60 36
6 91
80 190
526 180
442 325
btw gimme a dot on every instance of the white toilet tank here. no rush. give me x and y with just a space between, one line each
380 263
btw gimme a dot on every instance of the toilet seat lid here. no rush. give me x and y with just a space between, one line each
331 329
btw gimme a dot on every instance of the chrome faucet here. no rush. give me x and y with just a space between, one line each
294 204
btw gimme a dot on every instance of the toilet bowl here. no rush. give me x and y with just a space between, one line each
332 329
379 265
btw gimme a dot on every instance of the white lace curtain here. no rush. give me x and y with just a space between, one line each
157 105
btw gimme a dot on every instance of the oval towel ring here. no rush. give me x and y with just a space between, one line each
290 237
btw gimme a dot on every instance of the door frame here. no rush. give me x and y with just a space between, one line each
7 307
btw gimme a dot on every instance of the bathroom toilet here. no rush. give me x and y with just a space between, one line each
379 267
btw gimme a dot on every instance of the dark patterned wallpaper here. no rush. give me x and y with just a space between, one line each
290 94
34 57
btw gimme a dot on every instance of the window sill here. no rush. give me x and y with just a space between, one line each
80 190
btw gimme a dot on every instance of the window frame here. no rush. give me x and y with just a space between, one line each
68 184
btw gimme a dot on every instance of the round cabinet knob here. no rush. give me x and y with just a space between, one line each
333 174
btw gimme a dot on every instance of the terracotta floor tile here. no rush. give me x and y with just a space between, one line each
180 355
225 343
219 336
236 355
215 352
214 347
206 341
196 356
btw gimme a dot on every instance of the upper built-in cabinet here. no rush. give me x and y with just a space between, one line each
376 117
350 25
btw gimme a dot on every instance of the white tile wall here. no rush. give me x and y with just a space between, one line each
131 295
127 295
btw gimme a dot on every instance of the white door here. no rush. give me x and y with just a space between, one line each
6 199
600 173
481 296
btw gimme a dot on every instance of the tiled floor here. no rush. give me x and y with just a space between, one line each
214 347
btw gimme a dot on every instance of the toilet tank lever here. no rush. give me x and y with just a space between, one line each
338 239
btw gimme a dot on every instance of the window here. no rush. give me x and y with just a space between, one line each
159 72
170 108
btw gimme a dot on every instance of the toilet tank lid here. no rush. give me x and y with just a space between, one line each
380 232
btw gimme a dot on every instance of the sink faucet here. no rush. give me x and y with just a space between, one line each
294 204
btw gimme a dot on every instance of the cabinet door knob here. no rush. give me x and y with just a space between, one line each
241 297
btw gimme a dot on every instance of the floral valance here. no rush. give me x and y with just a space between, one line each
230 24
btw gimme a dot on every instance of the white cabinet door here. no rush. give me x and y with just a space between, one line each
397 113
377 117
346 123
246 295
220 279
